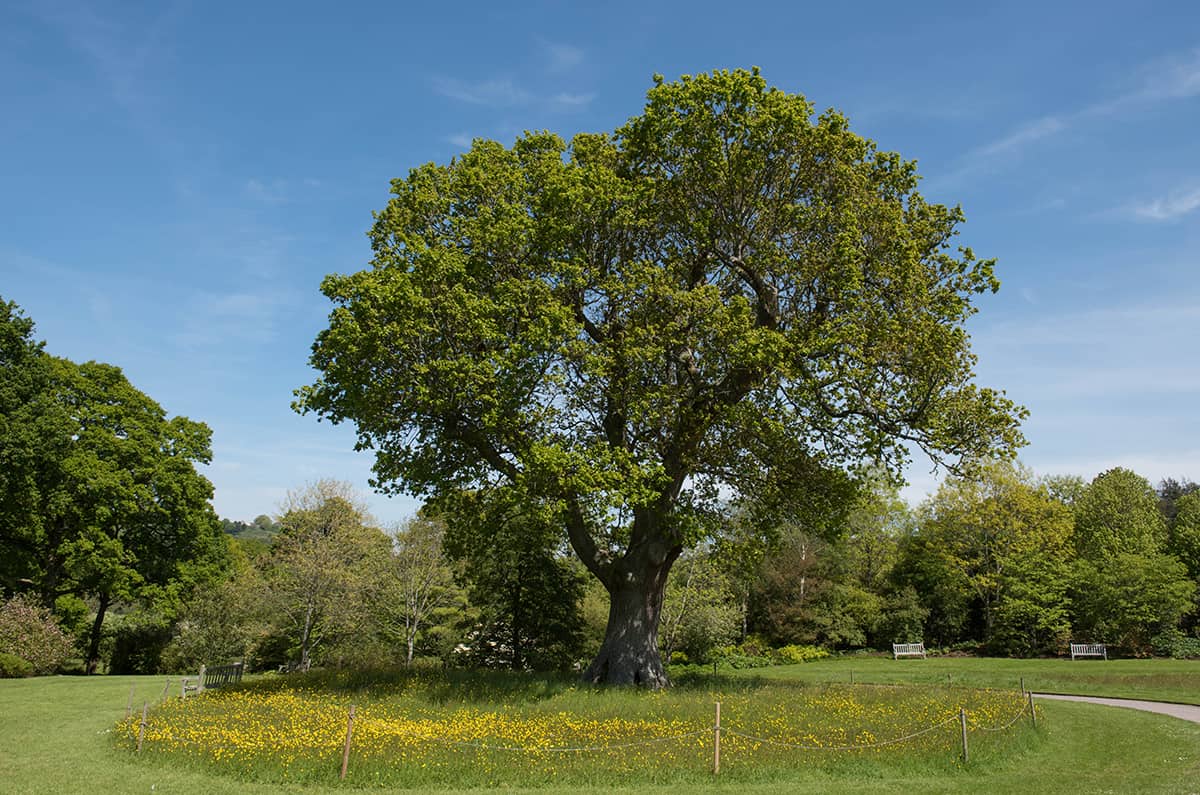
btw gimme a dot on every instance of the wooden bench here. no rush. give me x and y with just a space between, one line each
908 650
217 676
1089 650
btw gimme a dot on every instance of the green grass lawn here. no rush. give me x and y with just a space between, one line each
1154 680
56 737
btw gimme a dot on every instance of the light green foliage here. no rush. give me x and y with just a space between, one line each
1065 488
325 568
1184 540
222 623
874 527
1006 543
1127 599
700 611
726 293
794 654
1118 513
14 667
418 595
100 493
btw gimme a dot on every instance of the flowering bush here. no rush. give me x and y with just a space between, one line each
28 631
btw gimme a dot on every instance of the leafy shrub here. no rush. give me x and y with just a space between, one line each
1174 643
28 631
138 642
13 667
754 653
793 654
747 661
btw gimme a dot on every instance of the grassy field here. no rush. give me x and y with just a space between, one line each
57 736
1154 680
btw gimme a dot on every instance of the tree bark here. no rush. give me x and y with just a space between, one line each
629 654
306 638
93 654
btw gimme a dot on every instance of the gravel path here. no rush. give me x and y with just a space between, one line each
1184 711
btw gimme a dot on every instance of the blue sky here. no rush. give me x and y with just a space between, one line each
178 177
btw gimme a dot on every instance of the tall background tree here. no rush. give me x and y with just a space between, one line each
725 294
1128 588
326 567
419 586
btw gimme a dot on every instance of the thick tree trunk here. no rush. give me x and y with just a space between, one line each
93 653
629 654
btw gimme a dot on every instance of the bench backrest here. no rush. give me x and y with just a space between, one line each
908 648
221 675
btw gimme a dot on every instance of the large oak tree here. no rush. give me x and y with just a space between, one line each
725 296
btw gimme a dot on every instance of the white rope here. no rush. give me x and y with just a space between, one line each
1005 726
879 744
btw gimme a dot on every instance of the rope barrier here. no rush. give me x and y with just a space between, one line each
1006 726
388 726
856 747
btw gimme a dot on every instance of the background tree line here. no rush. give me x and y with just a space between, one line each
1003 563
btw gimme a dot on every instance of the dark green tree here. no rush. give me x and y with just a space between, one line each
1127 599
724 295
1171 491
524 593
101 494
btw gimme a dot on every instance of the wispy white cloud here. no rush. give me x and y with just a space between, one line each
1172 77
1120 330
461 140
569 101
561 57
242 318
1169 207
127 59
277 191
1023 136
494 92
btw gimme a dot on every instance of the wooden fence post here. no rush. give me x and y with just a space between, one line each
142 728
200 681
166 687
717 742
346 747
1023 684
1032 711
962 718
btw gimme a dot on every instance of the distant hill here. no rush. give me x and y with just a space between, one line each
262 529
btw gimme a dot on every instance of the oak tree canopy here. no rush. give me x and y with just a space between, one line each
726 297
